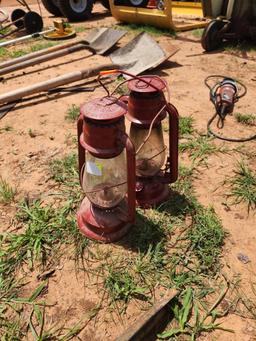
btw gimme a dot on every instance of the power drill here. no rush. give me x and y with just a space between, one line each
224 95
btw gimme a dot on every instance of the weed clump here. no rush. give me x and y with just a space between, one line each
243 185
72 113
246 119
207 238
7 192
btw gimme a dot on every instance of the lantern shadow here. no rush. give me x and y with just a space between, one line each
147 233
144 234
178 205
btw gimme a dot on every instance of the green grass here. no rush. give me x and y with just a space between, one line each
7 192
200 148
246 119
46 233
121 286
197 32
65 171
72 113
243 185
40 45
186 125
137 28
207 238
33 48
172 246
4 30
238 47
190 319
6 128
43 236
80 29
3 52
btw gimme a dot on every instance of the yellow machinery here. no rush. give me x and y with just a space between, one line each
184 12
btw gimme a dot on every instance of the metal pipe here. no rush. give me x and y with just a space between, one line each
34 35
53 83
38 53
43 58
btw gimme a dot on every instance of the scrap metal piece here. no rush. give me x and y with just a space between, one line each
101 40
5 109
142 53
151 323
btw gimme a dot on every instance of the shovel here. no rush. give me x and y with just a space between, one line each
142 53
98 41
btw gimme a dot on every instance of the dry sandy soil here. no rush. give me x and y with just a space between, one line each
23 162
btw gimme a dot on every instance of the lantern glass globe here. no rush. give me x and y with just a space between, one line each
105 180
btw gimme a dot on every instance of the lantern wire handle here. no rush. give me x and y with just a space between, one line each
108 72
103 85
150 129
139 78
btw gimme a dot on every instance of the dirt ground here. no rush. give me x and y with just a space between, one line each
23 161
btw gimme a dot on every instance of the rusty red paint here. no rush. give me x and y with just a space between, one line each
144 103
101 131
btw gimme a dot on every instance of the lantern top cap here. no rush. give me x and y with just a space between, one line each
104 108
140 86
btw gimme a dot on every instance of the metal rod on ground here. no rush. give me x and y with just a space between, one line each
98 41
34 35
44 58
38 54
24 3
71 77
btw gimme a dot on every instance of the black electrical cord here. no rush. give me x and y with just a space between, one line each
220 123
209 130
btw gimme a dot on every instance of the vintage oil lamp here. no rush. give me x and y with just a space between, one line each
147 107
107 170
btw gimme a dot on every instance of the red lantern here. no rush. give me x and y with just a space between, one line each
107 172
147 107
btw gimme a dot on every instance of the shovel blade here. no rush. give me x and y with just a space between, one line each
102 39
142 53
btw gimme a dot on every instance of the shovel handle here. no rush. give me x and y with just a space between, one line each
108 72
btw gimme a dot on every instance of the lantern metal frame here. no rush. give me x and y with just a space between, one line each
147 107
101 131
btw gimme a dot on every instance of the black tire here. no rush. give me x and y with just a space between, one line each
72 10
138 3
211 38
16 15
33 22
51 7
105 3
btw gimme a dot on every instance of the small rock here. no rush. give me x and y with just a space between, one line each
243 258
238 216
